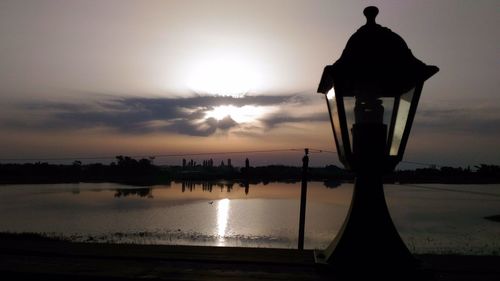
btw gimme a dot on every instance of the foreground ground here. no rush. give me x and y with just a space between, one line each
35 258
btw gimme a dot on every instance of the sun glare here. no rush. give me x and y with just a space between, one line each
226 76
222 218
244 114
331 94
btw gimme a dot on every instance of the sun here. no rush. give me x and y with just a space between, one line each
243 114
224 75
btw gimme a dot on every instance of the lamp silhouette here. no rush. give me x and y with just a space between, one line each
372 92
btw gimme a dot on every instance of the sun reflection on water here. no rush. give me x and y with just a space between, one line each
222 216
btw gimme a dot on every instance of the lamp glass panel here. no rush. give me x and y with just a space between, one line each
401 121
388 104
334 118
349 103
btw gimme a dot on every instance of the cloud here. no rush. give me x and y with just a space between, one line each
481 119
226 123
279 119
185 116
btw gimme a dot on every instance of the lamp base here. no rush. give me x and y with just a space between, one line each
368 239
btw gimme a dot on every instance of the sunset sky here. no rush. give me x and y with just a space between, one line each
101 78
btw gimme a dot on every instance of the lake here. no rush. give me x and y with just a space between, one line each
431 218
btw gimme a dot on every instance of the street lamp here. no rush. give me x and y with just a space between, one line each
372 94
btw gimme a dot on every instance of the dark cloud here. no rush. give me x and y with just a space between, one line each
226 123
145 115
279 119
481 120
187 115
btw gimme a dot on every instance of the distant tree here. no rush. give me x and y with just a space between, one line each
488 170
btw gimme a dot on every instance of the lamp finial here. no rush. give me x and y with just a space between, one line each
370 13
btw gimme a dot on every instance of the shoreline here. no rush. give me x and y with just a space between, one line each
150 239
32 257
233 180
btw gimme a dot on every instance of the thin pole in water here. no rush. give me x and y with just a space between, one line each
303 199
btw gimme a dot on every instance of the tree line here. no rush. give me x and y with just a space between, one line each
144 172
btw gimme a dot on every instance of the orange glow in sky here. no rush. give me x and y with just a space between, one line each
124 77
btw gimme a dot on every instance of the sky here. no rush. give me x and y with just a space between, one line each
116 77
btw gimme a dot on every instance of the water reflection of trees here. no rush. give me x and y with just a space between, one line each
207 186
332 183
141 192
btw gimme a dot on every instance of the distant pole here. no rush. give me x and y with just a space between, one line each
303 199
246 176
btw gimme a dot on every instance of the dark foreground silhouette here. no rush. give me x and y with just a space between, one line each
32 257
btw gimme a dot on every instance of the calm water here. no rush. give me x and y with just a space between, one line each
431 218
